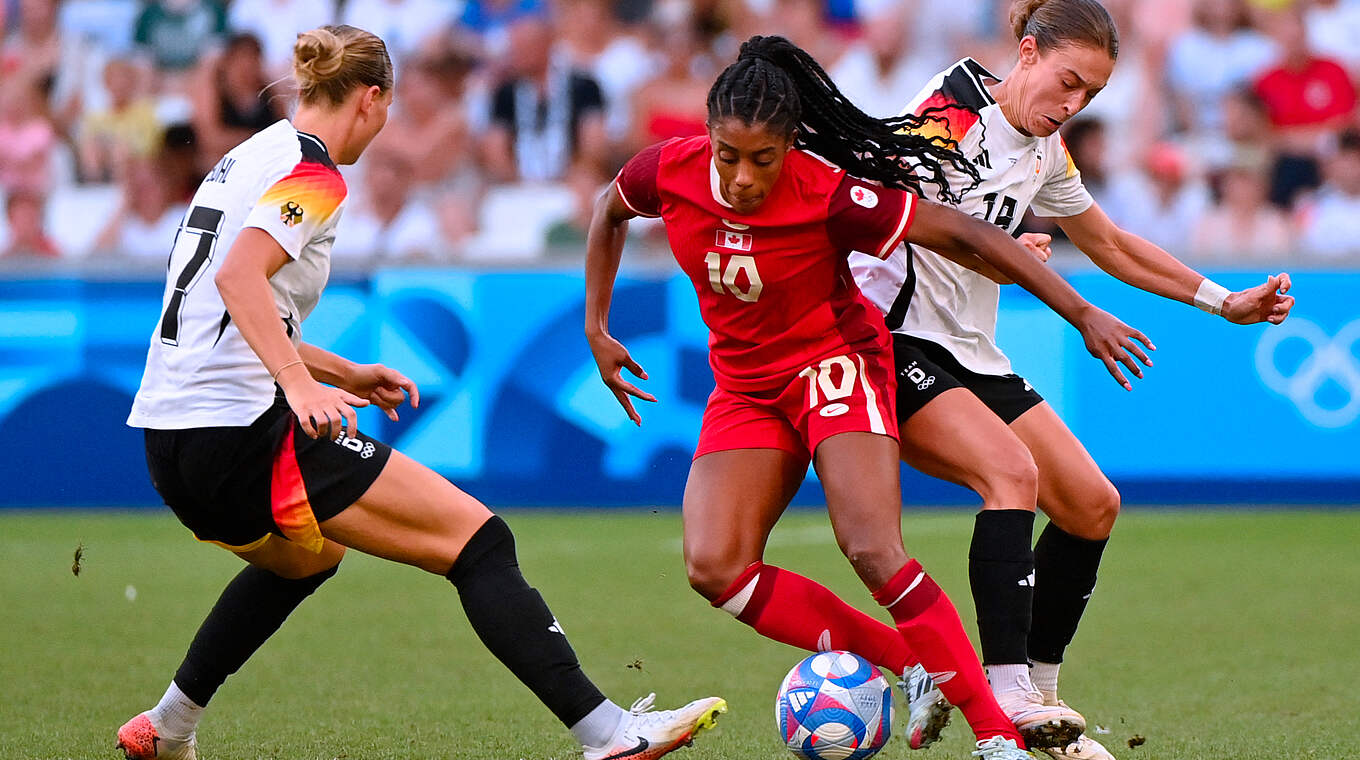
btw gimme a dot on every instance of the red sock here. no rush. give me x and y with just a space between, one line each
931 627
794 610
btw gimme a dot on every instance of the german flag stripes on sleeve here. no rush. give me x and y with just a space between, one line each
297 206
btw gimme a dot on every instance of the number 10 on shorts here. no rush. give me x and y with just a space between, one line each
823 377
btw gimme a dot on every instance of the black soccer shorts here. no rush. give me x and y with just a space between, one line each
236 486
926 369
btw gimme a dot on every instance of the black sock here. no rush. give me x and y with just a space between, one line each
513 622
1001 572
1065 576
250 609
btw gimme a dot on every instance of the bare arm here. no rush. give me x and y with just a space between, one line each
604 249
940 227
243 282
1144 265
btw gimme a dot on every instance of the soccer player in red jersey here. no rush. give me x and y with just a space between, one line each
803 363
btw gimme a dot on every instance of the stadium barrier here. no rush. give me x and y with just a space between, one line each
514 412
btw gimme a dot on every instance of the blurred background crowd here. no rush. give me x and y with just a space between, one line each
1228 133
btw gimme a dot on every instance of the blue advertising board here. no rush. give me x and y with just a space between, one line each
514 412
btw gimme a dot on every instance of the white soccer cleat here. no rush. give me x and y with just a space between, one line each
1042 725
141 740
645 734
1000 748
927 710
1084 748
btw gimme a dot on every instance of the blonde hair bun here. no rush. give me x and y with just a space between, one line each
330 61
318 55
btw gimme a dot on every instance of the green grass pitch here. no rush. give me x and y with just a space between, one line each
1213 635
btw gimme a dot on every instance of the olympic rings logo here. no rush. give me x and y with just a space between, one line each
1329 358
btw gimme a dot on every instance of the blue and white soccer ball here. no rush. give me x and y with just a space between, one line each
834 706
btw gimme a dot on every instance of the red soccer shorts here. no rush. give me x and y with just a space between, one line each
842 394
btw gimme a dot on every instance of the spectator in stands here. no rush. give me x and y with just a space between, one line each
1334 30
34 49
593 41
148 217
127 129
232 99
427 127
27 137
490 21
178 33
27 237
878 72
1220 53
1086 145
1307 99
388 222
567 236
1331 222
181 165
1241 225
1161 203
276 24
674 102
547 116
406 26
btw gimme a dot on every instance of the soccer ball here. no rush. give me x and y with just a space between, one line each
834 706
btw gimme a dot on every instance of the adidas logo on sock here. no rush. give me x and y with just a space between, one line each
1027 580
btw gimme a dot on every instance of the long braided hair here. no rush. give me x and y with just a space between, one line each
776 83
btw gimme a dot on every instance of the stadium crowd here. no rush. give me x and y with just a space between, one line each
1228 133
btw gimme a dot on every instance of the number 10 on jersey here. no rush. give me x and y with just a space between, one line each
724 278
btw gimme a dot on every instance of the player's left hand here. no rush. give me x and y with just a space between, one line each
1266 302
384 387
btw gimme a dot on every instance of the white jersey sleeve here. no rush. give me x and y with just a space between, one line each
200 372
1062 192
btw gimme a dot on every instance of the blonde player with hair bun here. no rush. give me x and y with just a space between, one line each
252 438
964 416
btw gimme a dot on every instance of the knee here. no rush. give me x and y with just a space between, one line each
710 574
1010 479
1093 518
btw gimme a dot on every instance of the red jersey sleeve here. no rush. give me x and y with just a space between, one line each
636 182
869 218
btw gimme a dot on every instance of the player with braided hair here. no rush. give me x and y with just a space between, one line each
970 420
763 228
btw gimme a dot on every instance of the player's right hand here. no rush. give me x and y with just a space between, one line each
1112 342
1038 244
612 358
322 410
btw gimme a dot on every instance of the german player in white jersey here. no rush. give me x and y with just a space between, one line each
252 437
965 417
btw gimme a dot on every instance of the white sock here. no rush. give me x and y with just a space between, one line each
599 725
176 715
1009 678
1045 675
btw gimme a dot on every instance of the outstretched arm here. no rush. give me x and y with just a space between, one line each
1144 265
940 227
604 249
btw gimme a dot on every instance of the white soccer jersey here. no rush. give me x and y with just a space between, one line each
200 372
922 293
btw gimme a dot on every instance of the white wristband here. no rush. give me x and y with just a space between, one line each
1210 296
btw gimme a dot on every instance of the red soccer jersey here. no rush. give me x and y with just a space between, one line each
774 287
1320 92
